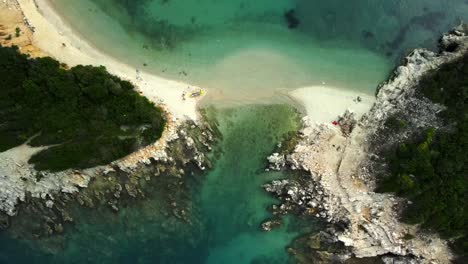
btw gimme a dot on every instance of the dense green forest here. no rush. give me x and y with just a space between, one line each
88 116
432 171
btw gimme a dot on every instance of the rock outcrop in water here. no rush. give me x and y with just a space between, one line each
48 201
343 162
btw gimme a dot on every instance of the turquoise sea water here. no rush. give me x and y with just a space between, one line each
229 206
243 51
232 196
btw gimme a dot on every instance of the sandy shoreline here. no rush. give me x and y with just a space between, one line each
323 104
54 37
46 32
46 40
11 19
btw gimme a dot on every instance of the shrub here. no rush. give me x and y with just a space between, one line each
432 171
17 32
90 116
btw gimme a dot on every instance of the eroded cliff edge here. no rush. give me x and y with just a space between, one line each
343 161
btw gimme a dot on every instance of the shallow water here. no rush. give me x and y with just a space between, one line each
229 206
245 53
232 198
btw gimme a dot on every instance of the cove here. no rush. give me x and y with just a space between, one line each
232 197
244 51
227 206
245 54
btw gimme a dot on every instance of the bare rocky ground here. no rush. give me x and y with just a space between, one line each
11 19
342 162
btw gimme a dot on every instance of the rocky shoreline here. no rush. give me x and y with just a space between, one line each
341 162
48 196
172 160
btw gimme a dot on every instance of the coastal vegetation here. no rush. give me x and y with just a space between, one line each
17 32
431 170
87 116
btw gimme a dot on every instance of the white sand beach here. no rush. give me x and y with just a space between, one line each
324 104
56 38
53 36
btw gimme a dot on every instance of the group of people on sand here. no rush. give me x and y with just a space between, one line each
138 77
29 25
192 93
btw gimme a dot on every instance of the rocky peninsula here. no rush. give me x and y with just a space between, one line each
47 197
343 162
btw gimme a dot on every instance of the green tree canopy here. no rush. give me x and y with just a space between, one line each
87 115
432 171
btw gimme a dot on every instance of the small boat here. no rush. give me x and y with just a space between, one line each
196 94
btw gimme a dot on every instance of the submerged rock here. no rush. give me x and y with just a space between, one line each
291 19
276 161
271 224
4 221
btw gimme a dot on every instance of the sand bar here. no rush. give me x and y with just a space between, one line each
54 36
323 104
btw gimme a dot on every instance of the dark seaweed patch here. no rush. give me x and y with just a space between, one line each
291 19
